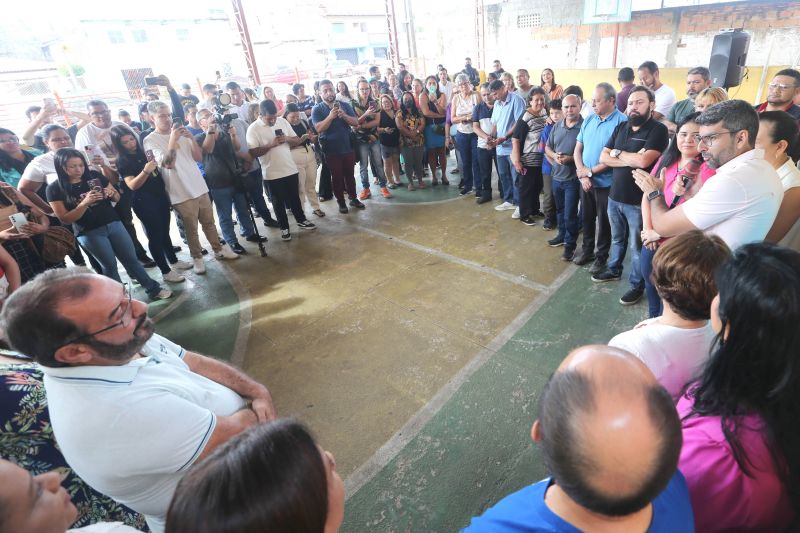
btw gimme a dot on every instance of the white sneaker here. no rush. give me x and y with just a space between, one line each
173 276
182 265
516 213
226 253
199 265
505 206
163 294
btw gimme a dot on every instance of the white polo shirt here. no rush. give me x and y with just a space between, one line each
99 137
665 99
790 178
184 182
740 203
132 431
277 162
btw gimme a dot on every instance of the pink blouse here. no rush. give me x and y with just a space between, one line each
723 496
671 175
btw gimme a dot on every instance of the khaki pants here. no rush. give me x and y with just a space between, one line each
306 176
198 210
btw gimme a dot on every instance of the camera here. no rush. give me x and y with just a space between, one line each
222 102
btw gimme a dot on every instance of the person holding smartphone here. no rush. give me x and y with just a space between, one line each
304 157
389 135
369 148
82 197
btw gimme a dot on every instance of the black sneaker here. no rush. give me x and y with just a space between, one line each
271 223
556 242
343 207
238 248
285 235
568 254
583 258
306 224
528 221
355 202
255 238
539 214
325 198
464 192
598 266
147 262
606 275
483 200
203 251
632 296
548 225
176 248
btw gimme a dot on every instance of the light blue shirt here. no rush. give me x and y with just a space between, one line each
594 135
504 116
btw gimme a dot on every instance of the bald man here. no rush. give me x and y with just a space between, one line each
610 437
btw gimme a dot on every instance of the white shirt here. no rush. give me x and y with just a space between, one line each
586 109
464 106
278 161
184 182
41 169
132 431
100 137
104 527
790 178
447 89
673 354
242 110
665 99
740 202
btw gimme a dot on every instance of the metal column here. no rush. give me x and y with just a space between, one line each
247 45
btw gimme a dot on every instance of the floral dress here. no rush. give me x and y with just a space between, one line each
26 439
411 122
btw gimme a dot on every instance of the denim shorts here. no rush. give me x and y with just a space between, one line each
389 151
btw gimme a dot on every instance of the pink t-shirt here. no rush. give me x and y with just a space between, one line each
671 175
723 496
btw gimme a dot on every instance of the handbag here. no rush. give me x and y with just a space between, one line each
57 243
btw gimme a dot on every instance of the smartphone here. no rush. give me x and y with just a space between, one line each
336 105
524 171
152 80
95 185
18 220
372 106
278 132
177 122
92 152
150 156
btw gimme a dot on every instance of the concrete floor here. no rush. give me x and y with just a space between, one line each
412 338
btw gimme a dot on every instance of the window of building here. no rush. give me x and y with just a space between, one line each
139 36
116 37
337 27
182 34
531 20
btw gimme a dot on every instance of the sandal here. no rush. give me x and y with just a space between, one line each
392 185
319 212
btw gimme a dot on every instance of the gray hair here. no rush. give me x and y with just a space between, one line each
155 105
608 89
703 72
462 78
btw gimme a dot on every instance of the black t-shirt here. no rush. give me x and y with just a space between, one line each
653 135
191 99
220 165
97 215
132 165
389 139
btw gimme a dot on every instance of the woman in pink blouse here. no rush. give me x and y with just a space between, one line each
741 437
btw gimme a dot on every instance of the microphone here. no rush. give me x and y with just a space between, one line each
688 174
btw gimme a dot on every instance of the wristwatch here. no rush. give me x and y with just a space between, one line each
652 195
615 152
589 173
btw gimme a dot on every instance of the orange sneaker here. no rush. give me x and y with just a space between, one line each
364 194
385 192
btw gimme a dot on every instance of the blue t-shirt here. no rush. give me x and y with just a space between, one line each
525 511
547 168
594 135
336 139
505 116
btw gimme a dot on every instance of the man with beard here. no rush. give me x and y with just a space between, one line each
741 201
131 410
650 77
783 90
697 79
637 143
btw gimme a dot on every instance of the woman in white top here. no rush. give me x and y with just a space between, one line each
778 137
461 108
676 344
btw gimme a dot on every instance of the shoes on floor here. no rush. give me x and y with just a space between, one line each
598 266
364 194
568 254
255 238
505 206
163 294
238 248
515 214
203 251
632 296
306 224
385 192
548 225
606 275
286 235
355 203
226 253
173 277
271 223
147 262
455 171
343 207
555 242
176 248
482 200
464 192
319 212
199 265
181 265
583 259
528 221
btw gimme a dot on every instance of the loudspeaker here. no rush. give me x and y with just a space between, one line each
728 56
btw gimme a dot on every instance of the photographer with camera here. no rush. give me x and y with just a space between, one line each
224 177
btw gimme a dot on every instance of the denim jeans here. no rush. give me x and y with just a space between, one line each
467 148
626 229
226 199
370 154
153 212
508 179
654 304
565 196
111 242
483 179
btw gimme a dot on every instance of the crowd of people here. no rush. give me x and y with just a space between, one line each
683 423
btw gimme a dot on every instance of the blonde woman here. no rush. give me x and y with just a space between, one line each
508 80
708 97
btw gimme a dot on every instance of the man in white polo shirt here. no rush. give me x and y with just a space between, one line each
131 411
177 154
740 202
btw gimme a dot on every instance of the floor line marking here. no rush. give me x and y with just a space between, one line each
518 280
397 442
188 285
245 315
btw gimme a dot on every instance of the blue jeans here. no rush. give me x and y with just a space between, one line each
111 242
566 195
370 153
626 229
467 147
508 179
654 304
225 199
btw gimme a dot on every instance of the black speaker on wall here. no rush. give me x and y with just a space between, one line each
728 56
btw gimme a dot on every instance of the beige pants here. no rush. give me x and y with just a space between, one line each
306 163
198 210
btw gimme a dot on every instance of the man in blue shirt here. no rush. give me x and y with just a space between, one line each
595 177
611 437
508 108
333 120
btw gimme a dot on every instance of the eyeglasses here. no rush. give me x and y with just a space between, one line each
12 139
780 86
124 321
708 140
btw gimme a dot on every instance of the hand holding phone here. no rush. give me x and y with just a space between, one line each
18 220
95 185
278 132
